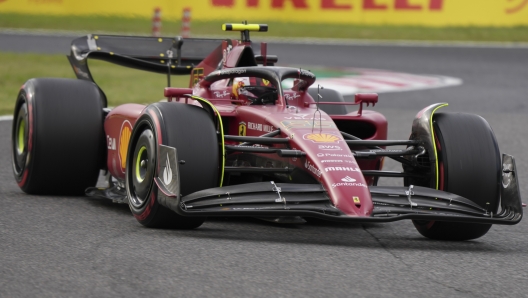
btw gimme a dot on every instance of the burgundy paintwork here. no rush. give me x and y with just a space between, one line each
328 160
116 123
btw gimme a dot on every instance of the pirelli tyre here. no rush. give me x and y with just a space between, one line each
57 136
470 166
191 131
329 95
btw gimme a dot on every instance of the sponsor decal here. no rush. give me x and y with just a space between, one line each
260 127
255 126
331 160
111 143
385 150
124 139
230 71
356 200
167 172
252 146
291 124
225 52
337 161
342 169
330 147
310 167
221 94
348 181
291 96
333 155
322 138
242 128
303 117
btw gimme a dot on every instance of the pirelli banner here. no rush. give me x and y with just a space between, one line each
372 12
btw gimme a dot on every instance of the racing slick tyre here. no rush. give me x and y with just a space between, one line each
191 131
329 95
469 165
57 140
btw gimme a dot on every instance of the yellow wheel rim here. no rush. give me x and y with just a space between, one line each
139 177
21 144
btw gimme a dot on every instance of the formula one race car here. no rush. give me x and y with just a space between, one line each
237 142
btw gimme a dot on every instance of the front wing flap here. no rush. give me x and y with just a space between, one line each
270 199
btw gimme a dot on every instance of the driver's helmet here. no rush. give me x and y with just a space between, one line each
256 91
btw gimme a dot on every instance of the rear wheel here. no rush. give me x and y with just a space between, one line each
191 131
469 166
57 136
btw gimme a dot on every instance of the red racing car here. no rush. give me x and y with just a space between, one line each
240 141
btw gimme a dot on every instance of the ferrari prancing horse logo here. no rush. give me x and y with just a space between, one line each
242 129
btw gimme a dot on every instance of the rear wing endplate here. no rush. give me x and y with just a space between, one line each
154 54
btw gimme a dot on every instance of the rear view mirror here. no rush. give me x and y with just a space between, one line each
368 98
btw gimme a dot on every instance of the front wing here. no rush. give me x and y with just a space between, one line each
269 199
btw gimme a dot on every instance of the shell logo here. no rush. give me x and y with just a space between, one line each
124 140
322 138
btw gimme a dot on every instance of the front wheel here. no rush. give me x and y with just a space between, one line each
469 165
191 131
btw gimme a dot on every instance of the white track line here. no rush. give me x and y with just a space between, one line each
6 118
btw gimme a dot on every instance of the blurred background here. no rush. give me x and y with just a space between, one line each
310 21
499 20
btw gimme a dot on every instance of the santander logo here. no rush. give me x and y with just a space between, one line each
348 181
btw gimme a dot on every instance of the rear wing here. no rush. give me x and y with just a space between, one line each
154 54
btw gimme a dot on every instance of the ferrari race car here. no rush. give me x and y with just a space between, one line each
249 138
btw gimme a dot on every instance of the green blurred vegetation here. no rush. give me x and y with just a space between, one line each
98 24
120 84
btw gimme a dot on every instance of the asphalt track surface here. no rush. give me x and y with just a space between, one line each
76 246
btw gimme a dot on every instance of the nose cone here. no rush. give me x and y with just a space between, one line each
348 189
332 162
